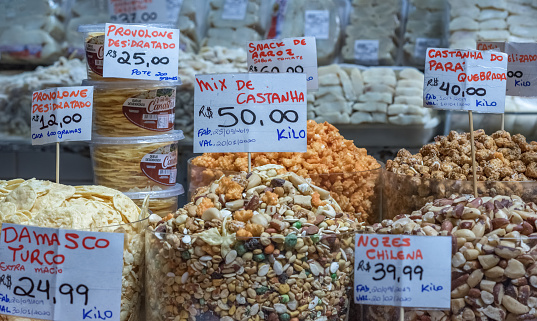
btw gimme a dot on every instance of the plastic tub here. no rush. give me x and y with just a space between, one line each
160 202
133 108
188 278
134 163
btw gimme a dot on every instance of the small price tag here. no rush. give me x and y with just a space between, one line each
250 113
521 66
317 24
139 52
366 52
234 9
61 114
403 271
294 55
60 275
465 80
143 11
420 50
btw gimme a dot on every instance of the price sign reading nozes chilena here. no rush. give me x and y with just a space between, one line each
60 275
465 80
250 112
141 52
403 271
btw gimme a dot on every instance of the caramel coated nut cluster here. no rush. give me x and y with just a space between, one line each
494 269
262 246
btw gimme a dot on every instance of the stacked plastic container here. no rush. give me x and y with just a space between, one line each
134 145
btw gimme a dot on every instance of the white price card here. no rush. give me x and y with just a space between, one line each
521 66
61 114
60 275
141 52
420 50
366 52
465 80
294 55
250 112
317 24
144 11
403 270
234 9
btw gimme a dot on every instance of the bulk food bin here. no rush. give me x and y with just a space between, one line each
161 202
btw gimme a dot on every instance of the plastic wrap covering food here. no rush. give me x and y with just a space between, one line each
270 247
353 95
189 24
94 208
84 12
231 23
425 28
505 165
318 18
31 32
493 265
161 202
331 162
498 20
16 92
373 34
208 60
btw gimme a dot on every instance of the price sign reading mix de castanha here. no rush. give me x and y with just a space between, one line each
465 80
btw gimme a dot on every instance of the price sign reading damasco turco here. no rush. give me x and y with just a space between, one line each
465 80
403 271
60 275
250 112
141 52
292 55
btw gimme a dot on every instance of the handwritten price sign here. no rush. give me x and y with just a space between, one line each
140 52
61 114
250 113
403 271
465 80
294 55
144 11
56 274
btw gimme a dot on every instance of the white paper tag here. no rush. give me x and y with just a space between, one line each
366 52
255 112
61 114
465 80
294 55
402 271
317 24
143 11
420 50
139 52
234 9
60 275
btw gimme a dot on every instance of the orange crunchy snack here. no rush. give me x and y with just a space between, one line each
331 162
232 190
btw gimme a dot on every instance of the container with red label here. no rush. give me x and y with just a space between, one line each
134 164
133 107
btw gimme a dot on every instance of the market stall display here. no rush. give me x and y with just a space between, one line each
190 23
94 208
83 12
272 247
161 202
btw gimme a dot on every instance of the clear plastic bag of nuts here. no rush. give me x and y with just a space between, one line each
494 269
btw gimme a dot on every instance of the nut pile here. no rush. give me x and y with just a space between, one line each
494 268
331 162
444 167
262 246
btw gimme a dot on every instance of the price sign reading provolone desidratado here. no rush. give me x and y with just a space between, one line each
61 114
468 80
292 55
141 52
403 270
250 112
60 275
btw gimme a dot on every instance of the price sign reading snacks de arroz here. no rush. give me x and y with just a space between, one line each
63 275
465 80
521 66
141 52
294 55
61 114
250 112
402 270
